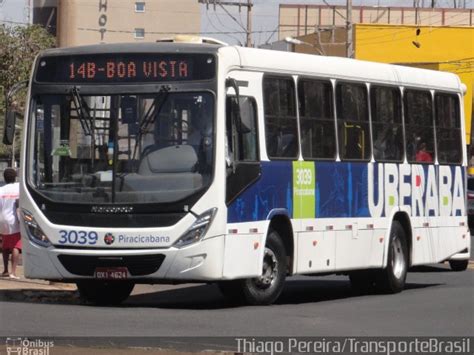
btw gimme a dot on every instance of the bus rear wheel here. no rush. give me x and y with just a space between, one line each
458 265
392 278
267 287
104 293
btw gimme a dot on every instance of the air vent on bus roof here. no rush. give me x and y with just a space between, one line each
192 39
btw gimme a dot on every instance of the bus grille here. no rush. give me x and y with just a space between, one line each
137 265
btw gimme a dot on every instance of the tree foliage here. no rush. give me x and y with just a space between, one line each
19 46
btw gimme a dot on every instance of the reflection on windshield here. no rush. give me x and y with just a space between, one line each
122 148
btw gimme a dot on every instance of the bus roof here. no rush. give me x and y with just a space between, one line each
287 62
145 47
345 69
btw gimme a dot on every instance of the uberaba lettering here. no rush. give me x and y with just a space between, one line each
422 190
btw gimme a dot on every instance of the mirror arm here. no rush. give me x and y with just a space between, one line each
231 82
14 89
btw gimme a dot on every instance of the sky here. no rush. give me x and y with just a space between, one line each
265 17
13 10
215 22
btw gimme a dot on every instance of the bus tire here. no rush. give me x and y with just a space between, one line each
265 289
458 265
104 293
392 278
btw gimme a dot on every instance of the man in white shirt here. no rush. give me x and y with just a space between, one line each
9 224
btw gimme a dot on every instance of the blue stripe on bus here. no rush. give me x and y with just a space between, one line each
341 190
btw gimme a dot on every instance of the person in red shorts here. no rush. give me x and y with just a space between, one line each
9 224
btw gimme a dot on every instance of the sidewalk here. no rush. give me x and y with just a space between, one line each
23 283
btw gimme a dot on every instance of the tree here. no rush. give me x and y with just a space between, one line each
19 46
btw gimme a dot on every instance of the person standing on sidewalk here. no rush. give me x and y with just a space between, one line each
9 224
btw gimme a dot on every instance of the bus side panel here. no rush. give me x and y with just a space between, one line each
243 253
423 250
316 252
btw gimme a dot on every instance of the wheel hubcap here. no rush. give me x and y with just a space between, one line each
269 271
398 259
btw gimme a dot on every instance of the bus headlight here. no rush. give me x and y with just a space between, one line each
35 234
197 230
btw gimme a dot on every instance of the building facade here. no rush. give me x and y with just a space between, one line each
83 22
299 20
45 13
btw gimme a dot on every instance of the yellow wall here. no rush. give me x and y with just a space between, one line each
443 48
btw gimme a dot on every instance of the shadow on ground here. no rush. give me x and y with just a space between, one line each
204 297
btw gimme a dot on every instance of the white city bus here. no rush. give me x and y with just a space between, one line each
204 162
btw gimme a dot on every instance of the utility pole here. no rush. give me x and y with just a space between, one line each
349 43
247 4
249 24
28 12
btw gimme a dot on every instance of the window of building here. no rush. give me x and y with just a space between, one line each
419 131
318 137
281 130
242 143
139 33
140 6
387 129
353 121
448 129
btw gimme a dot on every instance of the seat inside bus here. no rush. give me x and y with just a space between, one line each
169 168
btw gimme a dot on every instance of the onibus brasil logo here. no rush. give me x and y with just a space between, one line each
24 346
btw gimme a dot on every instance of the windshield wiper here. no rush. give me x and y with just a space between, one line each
83 113
152 113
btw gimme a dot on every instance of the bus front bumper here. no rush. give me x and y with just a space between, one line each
202 261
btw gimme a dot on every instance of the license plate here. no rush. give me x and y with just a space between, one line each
111 273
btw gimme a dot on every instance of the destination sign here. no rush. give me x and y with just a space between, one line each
125 68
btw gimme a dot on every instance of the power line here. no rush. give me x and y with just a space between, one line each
248 5
217 29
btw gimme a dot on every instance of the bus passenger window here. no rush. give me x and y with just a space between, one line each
318 138
448 129
353 121
242 145
419 126
281 131
387 129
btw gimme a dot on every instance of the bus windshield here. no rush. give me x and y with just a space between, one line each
121 148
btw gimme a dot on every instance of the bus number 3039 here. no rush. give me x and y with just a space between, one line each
304 177
77 237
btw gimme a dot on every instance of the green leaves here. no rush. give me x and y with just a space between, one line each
19 46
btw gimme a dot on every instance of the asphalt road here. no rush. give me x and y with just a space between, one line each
436 302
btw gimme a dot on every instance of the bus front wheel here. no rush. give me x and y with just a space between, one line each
266 288
392 278
104 292
458 265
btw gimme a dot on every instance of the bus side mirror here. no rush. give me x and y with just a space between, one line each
11 115
9 127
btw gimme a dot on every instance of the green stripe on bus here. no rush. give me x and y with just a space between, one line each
304 182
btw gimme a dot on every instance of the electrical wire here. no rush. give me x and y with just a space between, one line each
217 29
